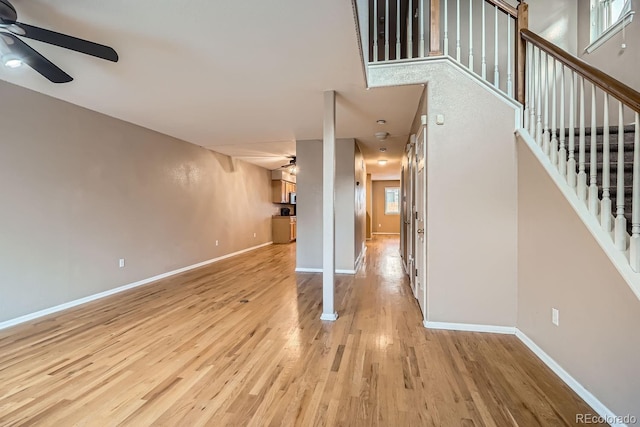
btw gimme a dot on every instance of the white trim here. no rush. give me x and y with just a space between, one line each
27 317
319 270
589 398
329 317
625 20
578 388
470 327
394 234
618 258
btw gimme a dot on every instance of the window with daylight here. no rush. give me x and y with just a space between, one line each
608 15
392 201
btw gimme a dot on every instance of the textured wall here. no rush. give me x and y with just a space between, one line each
81 190
472 202
383 223
560 265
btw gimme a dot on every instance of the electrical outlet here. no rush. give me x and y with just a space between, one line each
254 234
379 225
555 316
121 263
216 243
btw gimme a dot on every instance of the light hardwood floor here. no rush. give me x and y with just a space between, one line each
187 351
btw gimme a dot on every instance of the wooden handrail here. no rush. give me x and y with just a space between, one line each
628 96
505 7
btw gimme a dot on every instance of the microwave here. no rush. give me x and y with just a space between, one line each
292 198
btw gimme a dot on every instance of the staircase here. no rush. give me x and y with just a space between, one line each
629 134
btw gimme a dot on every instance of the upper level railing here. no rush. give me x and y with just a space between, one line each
472 32
569 106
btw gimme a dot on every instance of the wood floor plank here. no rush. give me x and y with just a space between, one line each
240 342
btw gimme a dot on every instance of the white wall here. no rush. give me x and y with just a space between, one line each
309 207
472 202
620 63
560 265
80 190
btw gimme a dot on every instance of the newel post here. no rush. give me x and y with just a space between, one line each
522 23
434 34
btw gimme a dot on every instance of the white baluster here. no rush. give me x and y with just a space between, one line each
571 162
386 31
484 41
582 174
554 113
605 204
593 171
527 79
562 154
398 45
532 90
546 140
471 34
375 31
410 30
446 27
621 221
509 51
634 249
496 70
458 30
539 97
421 23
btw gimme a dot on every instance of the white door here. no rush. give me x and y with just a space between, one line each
409 217
420 216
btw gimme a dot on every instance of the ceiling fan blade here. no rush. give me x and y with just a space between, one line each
65 41
36 61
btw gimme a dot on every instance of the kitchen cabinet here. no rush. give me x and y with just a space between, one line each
280 191
284 229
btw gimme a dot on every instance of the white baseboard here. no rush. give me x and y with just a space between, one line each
470 327
589 398
319 270
331 317
75 303
584 394
361 257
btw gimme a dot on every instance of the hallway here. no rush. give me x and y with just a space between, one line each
240 342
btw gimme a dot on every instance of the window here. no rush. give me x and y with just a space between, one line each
392 201
606 14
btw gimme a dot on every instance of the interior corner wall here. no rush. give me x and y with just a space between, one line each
360 212
80 190
560 265
472 202
621 64
309 204
384 223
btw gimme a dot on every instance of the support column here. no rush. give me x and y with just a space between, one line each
328 207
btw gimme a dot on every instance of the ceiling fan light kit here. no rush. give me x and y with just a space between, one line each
19 52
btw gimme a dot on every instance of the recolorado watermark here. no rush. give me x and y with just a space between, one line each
611 420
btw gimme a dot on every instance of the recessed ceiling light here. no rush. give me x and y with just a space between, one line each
12 62
382 162
382 149
381 122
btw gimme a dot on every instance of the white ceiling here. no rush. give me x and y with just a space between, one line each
241 78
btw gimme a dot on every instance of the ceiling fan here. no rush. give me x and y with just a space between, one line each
292 163
20 52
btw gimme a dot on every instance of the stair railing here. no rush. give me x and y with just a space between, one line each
555 78
482 35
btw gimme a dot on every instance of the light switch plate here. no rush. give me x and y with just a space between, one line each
439 119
